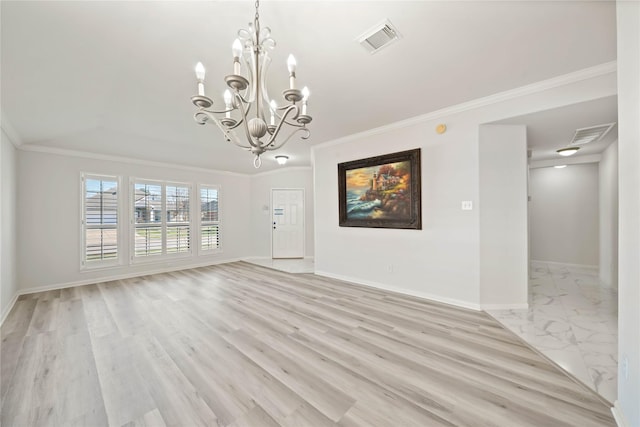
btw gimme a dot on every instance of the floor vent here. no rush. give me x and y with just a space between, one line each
380 36
591 134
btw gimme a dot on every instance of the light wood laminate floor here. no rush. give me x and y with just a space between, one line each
241 345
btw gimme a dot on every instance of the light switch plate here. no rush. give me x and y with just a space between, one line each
467 205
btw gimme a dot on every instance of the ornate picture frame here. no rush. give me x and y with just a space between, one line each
381 192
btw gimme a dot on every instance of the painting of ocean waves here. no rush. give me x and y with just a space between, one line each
378 192
358 208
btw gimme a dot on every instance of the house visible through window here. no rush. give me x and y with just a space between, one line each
100 219
177 219
161 224
209 219
161 219
148 219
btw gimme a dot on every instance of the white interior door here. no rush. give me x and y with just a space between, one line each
287 223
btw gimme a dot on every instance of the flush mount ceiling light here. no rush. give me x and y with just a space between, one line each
247 99
282 159
568 151
560 166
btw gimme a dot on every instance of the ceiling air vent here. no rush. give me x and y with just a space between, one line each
378 37
590 134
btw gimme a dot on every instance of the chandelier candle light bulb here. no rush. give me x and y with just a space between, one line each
200 77
273 106
227 103
291 65
237 52
305 97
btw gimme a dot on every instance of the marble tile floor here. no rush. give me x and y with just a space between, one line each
573 320
293 265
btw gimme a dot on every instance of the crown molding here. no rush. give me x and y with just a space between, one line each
541 86
10 131
281 170
111 158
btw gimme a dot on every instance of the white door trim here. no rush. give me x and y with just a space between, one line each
304 223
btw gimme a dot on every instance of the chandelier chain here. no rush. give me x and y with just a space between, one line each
256 24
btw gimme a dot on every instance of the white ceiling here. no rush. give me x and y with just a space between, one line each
550 130
116 78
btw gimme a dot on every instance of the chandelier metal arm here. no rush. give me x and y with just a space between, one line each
204 116
286 122
290 108
209 114
284 141
258 75
243 113
243 116
216 112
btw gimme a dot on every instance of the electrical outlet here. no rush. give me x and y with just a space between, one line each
467 205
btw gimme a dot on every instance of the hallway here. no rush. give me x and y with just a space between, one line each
573 320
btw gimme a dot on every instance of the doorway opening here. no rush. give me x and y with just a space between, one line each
573 234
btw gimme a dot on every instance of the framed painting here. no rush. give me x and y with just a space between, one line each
381 192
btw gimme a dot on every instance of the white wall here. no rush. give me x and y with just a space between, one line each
564 214
503 216
261 185
628 19
441 261
49 206
608 172
8 218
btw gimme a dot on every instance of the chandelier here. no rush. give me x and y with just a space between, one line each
247 101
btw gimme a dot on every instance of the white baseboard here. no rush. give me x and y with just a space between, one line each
7 310
410 292
121 276
618 415
487 307
268 257
607 284
566 264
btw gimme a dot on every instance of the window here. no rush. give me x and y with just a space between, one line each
177 219
161 219
209 219
100 220
147 201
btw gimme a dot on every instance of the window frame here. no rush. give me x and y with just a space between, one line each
102 263
164 224
200 223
